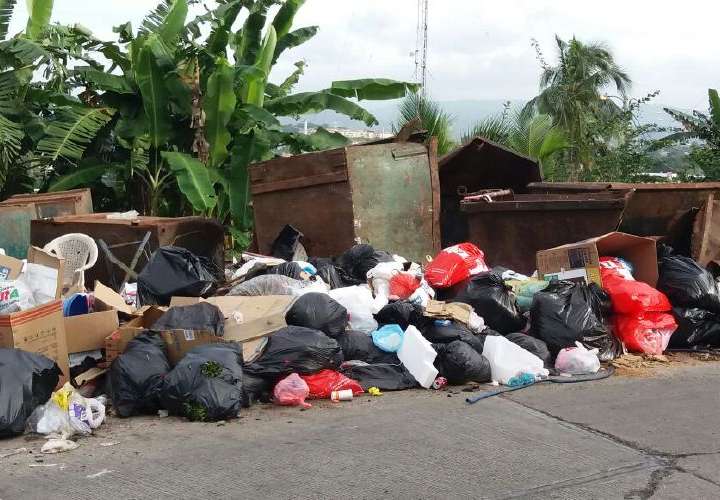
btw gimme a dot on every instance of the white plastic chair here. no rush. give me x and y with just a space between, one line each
80 253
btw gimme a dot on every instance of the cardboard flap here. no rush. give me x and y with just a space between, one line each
179 342
87 332
10 267
106 297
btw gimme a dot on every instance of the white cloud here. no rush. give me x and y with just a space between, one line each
480 49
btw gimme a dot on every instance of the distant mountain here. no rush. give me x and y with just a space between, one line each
464 112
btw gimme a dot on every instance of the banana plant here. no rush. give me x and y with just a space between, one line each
186 114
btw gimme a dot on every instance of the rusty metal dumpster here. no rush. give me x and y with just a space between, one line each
653 206
384 193
479 164
17 211
511 230
202 236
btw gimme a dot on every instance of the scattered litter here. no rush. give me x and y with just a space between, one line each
58 446
109 443
98 474
13 452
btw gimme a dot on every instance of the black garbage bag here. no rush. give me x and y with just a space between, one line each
136 376
459 363
287 245
384 376
27 381
296 349
257 390
268 284
331 275
207 384
566 312
202 316
360 346
687 284
402 313
444 331
535 346
358 260
289 269
494 301
696 327
174 271
320 312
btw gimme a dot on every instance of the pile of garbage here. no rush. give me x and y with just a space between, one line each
289 329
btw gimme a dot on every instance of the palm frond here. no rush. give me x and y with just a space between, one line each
493 128
433 119
6 11
11 136
166 20
72 130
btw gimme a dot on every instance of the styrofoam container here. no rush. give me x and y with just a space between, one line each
418 356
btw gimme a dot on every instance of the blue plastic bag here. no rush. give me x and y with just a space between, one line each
389 338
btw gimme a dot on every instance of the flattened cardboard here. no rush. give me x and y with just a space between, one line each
41 330
107 298
641 252
116 343
179 342
260 315
89 376
10 267
87 332
39 256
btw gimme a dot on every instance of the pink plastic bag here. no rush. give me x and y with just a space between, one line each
324 382
291 391
455 264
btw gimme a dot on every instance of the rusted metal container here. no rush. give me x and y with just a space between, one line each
384 193
653 206
479 164
202 236
512 231
17 211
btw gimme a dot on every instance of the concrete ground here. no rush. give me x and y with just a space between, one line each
654 436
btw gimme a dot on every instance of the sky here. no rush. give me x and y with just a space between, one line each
478 49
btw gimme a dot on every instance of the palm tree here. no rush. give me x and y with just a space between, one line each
433 119
525 132
573 92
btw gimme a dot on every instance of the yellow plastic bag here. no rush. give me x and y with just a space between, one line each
62 396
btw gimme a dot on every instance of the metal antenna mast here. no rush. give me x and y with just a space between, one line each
421 43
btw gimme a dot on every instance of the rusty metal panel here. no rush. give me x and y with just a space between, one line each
73 202
15 234
652 208
511 232
309 191
392 197
203 237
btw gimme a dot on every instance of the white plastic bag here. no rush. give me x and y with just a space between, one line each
379 277
41 280
577 360
358 301
85 414
15 296
50 419
508 359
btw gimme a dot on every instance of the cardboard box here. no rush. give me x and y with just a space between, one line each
116 342
87 332
581 260
179 342
41 330
260 315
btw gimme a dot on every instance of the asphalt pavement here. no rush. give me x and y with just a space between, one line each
625 437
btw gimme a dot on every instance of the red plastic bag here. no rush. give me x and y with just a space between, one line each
324 382
648 333
291 391
402 286
629 296
454 264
